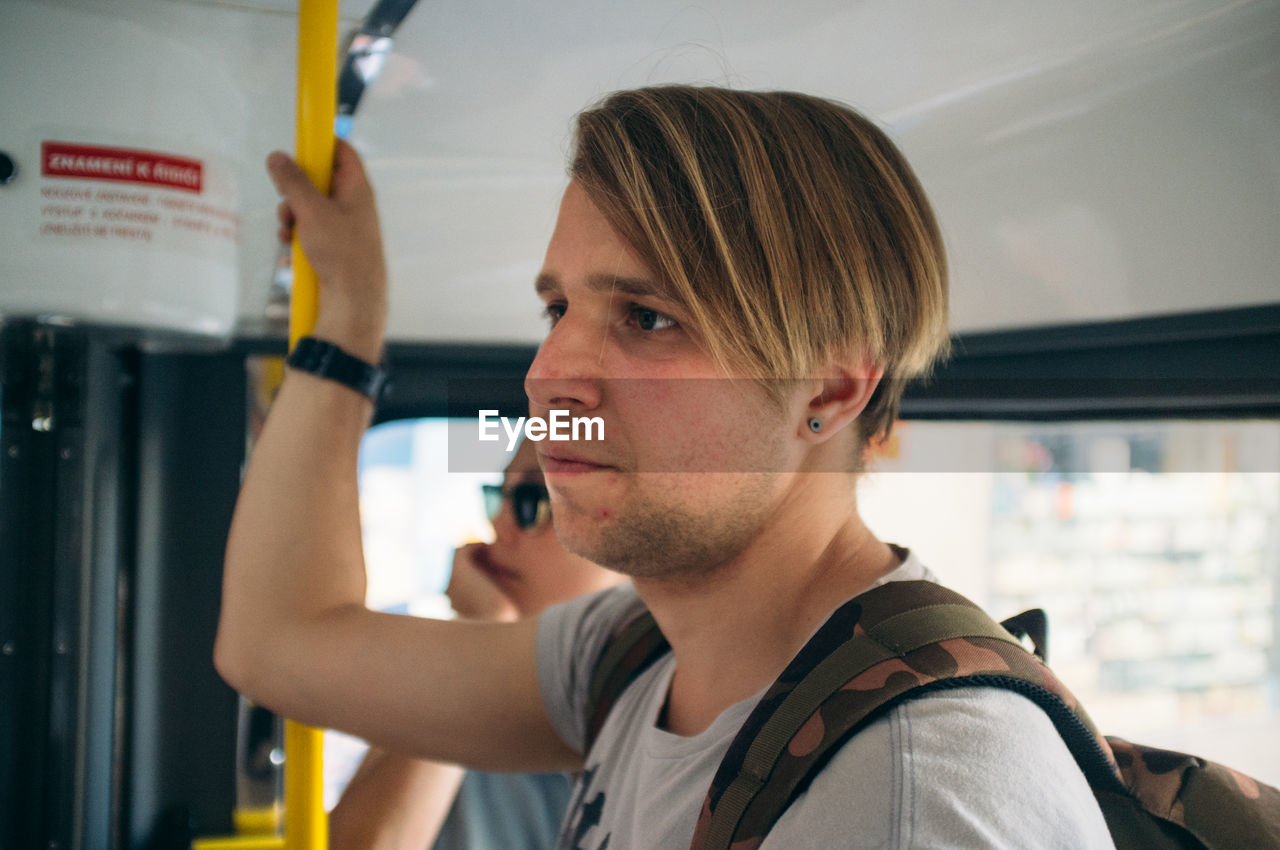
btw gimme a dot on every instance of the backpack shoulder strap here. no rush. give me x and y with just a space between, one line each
903 640
894 642
628 652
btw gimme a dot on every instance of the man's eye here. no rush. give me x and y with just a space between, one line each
553 313
650 320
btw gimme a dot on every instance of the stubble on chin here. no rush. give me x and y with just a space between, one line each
668 539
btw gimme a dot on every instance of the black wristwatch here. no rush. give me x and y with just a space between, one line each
329 361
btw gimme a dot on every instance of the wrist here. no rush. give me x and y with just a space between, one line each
364 339
327 360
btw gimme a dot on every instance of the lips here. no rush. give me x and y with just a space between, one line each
557 461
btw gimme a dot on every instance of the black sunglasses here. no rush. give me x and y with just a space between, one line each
530 503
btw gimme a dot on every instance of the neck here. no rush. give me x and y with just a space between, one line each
734 630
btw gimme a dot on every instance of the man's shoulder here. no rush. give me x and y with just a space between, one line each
571 636
975 766
602 609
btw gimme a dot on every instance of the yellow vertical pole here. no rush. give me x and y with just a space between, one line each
306 826
317 105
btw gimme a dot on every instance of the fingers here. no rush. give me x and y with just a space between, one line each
349 177
466 556
466 576
341 241
349 184
288 177
300 195
472 594
285 217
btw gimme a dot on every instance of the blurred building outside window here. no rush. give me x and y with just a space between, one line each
1153 546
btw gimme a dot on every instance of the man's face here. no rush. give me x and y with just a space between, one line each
529 565
676 484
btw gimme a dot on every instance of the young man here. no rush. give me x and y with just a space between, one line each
399 803
739 284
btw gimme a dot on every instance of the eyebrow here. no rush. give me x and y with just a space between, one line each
639 286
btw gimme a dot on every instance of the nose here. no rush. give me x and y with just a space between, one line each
566 373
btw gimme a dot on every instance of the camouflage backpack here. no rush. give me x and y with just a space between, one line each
902 640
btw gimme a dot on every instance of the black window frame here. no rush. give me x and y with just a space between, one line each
1217 364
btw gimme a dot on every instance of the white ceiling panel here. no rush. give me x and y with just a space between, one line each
1088 160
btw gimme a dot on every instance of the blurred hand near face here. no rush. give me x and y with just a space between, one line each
471 592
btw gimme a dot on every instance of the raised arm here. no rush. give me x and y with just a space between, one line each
294 634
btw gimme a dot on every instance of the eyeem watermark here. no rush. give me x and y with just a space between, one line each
558 426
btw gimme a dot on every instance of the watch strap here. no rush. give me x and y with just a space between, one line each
327 360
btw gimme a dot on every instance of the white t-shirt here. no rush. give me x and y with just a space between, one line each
970 768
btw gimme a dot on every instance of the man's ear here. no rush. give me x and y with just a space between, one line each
846 388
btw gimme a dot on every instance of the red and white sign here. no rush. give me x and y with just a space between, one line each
94 162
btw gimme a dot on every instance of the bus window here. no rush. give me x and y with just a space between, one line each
414 511
1154 547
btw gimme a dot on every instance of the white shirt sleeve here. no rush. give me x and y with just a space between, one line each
966 768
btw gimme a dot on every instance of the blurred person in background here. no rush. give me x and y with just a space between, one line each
395 801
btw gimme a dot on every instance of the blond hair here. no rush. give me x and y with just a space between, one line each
789 226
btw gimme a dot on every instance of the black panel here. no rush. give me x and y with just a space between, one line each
191 426
1204 365
441 380
1216 364
63 507
27 509
454 380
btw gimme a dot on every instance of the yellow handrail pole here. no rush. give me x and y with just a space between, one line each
306 826
317 106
